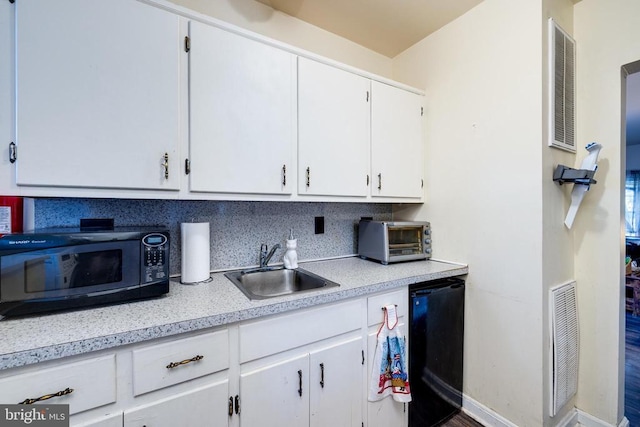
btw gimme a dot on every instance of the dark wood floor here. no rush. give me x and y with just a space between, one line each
632 371
462 420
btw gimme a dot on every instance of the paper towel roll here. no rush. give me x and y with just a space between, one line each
195 252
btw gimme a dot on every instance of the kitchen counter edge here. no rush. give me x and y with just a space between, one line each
357 278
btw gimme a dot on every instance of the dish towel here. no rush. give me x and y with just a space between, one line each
389 376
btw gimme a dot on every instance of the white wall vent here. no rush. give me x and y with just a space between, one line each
562 79
564 343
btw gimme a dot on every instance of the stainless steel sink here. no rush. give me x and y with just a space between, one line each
262 284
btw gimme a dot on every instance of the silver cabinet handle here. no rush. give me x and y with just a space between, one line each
284 175
165 165
379 181
13 152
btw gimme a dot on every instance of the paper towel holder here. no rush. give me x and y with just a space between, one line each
195 253
581 178
564 174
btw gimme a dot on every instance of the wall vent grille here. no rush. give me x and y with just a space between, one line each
564 336
562 76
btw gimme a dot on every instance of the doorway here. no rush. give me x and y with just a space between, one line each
631 132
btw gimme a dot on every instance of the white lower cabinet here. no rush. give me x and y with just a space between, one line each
320 388
303 368
386 412
335 393
307 368
114 420
203 406
276 395
83 385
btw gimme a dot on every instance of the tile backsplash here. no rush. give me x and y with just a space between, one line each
237 228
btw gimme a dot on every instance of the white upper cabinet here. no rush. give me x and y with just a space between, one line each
242 105
397 159
98 91
333 131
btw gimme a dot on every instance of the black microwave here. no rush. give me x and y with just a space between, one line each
55 269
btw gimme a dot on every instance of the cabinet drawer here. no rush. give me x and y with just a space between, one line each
264 337
376 302
162 365
93 383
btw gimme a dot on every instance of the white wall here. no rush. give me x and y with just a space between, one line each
484 188
557 240
607 34
262 19
472 137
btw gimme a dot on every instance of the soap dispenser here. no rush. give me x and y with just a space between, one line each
291 256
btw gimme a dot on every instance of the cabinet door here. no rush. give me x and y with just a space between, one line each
204 406
386 412
336 385
98 94
114 420
276 395
397 162
333 131
242 105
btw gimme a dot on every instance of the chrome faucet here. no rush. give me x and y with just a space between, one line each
264 256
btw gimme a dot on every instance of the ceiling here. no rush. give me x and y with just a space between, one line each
385 26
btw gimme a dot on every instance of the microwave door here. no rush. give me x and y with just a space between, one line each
68 271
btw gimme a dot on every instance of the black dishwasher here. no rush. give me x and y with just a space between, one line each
436 336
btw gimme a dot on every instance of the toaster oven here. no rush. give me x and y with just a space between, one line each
394 241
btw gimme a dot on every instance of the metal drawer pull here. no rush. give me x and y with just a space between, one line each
379 181
237 405
300 382
47 396
322 375
230 406
165 165
184 362
284 175
308 177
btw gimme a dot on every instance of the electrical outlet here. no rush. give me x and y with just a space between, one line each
319 225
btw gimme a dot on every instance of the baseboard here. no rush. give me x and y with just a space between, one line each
570 420
588 420
484 415
488 417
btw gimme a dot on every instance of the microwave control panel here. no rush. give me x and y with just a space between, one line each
155 258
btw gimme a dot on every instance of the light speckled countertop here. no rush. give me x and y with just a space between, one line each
190 308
